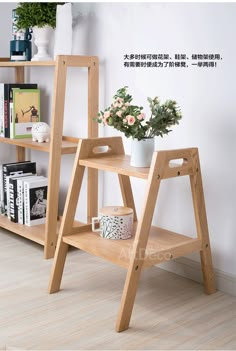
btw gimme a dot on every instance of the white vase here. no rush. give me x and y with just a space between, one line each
42 37
63 31
141 152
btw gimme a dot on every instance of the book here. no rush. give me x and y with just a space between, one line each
20 196
1 109
15 168
35 201
24 111
12 195
7 95
2 208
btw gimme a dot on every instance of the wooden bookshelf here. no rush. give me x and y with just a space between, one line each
59 145
149 245
34 233
68 145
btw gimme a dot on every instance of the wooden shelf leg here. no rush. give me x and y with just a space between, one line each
67 224
20 153
127 194
202 226
93 93
141 238
55 157
58 267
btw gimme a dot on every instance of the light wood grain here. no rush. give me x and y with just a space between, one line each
119 164
35 233
68 145
19 74
20 153
141 239
59 144
202 226
171 312
162 245
127 194
148 246
93 96
67 223
5 62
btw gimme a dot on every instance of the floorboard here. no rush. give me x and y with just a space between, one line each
170 312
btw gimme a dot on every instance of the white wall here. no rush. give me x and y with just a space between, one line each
6 75
206 97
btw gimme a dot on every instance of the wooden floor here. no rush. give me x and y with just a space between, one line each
170 312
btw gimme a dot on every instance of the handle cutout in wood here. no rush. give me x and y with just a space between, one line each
178 162
98 150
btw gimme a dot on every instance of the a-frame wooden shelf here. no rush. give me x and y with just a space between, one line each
59 145
149 245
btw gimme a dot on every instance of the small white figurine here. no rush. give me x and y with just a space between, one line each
41 132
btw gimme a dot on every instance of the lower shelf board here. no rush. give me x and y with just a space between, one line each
34 233
163 245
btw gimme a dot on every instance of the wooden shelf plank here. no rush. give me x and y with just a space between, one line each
27 63
35 233
68 146
71 61
162 245
119 164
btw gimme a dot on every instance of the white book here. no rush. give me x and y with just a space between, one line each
35 201
20 196
10 191
2 126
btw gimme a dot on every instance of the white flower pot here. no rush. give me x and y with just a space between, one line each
42 36
141 152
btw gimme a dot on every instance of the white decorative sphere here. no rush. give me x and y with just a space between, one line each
40 132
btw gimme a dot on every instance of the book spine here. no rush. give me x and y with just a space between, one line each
26 204
14 218
2 208
20 201
8 196
2 110
4 178
11 211
6 111
11 119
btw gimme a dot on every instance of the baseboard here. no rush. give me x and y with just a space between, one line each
188 268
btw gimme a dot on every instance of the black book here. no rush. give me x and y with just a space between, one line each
13 169
7 98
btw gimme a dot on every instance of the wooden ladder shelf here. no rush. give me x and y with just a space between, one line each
150 245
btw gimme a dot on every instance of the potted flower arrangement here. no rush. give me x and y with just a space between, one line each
41 17
130 120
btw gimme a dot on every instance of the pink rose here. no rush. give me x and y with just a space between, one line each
120 100
105 120
119 113
141 116
130 119
107 114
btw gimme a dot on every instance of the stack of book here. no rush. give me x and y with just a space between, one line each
23 193
19 109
